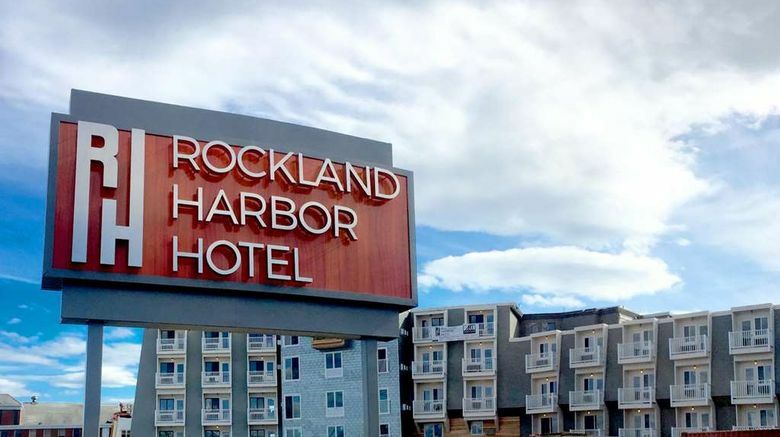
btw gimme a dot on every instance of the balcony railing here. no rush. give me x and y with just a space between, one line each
483 366
172 380
215 379
743 392
541 362
752 427
171 345
486 329
215 344
689 395
686 347
429 408
587 432
636 397
636 432
586 400
216 417
263 343
759 340
257 415
426 332
677 431
637 352
168 417
430 369
479 406
585 357
541 403
260 378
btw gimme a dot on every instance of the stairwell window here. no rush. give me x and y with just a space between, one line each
336 431
333 365
292 369
292 407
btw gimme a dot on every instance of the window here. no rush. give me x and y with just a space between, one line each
381 357
292 369
333 366
290 340
336 431
257 433
334 404
293 432
477 428
384 401
384 430
165 434
292 407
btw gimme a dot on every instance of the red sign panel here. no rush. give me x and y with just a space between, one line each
173 210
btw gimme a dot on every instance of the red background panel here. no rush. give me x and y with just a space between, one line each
377 264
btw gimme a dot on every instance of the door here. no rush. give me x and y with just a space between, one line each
591 422
488 359
691 420
226 372
546 425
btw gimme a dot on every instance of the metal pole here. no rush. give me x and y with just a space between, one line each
93 380
371 389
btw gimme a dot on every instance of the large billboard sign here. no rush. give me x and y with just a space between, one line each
172 208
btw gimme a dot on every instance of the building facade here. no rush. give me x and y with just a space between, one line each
492 370
58 419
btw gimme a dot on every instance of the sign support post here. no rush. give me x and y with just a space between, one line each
93 380
371 387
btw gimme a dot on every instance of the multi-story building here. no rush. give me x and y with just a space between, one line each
57 419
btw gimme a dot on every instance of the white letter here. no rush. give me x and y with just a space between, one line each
394 182
228 211
297 268
352 173
280 165
241 165
211 166
290 213
198 202
301 179
271 262
197 255
191 157
214 267
323 210
337 210
333 178
251 256
245 213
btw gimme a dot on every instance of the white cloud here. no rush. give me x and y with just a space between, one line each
14 321
118 333
562 275
551 301
14 387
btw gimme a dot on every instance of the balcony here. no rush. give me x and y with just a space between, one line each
171 346
168 417
541 403
169 380
639 352
261 344
485 330
636 397
260 378
688 347
429 409
543 362
478 368
426 333
585 357
689 395
215 379
429 369
677 431
753 392
261 416
479 407
749 342
211 345
587 432
751 428
586 400
216 417
636 432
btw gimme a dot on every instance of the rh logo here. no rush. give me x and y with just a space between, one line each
110 232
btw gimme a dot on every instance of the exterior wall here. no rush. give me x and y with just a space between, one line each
9 417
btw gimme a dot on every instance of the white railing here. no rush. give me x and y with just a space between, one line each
215 378
750 390
169 417
171 345
429 368
211 344
585 356
334 411
216 417
684 346
638 351
486 329
746 340
541 401
586 399
479 405
175 379
426 332
541 361
636 432
263 343
677 431
260 377
260 414
751 428
633 396
484 365
689 393
429 408
587 432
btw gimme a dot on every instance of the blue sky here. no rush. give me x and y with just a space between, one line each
565 157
